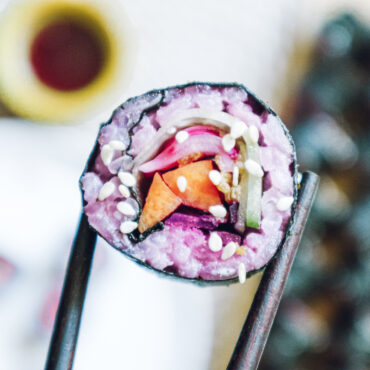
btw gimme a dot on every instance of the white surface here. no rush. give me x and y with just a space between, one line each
133 319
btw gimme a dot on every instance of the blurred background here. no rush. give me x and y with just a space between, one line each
64 65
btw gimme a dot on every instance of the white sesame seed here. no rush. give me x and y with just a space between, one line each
215 242
228 142
106 190
229 250
181 136
106 154
218 211
126 208
117 145
253 134
128 227
124 190
235 176
182 183
215 177
284 203
237 129
127 178
171 130
242 273
253 168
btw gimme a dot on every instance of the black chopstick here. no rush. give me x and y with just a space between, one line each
255 331
67 322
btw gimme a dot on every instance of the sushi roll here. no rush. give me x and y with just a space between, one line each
197 181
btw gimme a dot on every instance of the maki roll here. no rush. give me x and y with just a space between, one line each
196 181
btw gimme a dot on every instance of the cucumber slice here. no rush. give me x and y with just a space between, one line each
242 210
254 193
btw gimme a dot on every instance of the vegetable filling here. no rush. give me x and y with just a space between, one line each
205 184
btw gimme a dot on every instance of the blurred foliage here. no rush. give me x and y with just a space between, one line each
324 318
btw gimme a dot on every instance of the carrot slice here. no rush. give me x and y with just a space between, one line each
160 203
200 192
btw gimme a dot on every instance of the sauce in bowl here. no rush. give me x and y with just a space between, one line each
66 55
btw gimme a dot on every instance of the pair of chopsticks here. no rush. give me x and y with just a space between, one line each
255 331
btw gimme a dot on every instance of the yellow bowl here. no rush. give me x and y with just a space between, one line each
23 92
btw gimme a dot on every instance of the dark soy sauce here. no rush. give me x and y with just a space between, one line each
66 55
